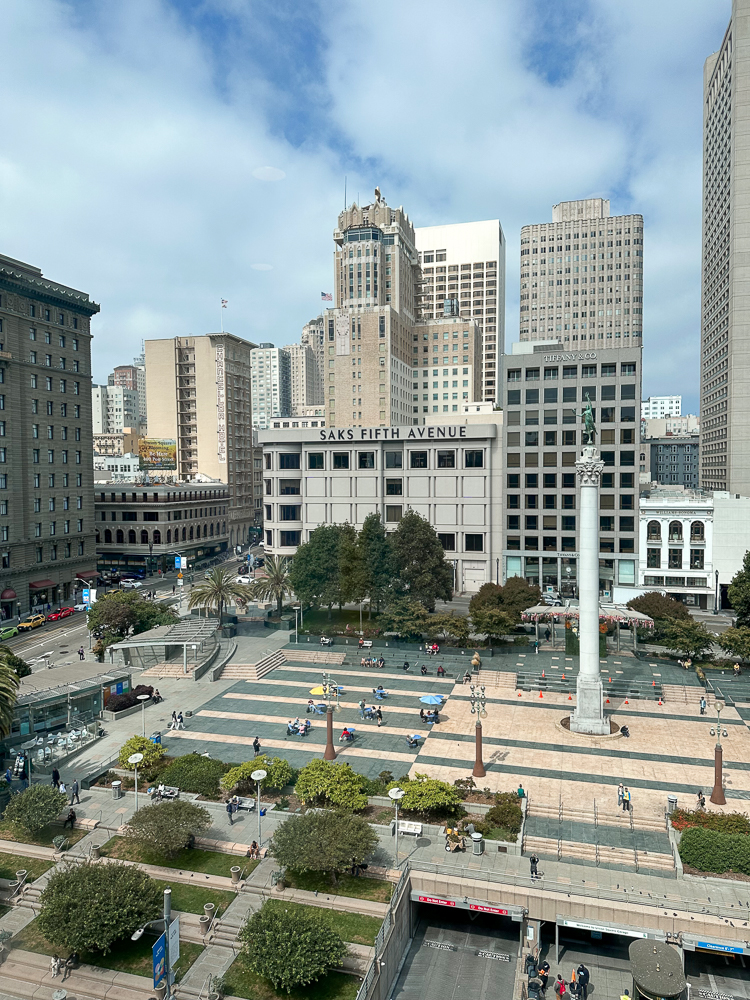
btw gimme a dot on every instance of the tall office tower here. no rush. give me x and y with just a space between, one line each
198 391
725 309
133 377
661 406
314 337
272 384
303 378
582 277
47 525
113 408
465 263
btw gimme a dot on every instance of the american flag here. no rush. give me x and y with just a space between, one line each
224 303
326 296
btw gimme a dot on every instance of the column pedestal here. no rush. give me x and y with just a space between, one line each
717 795
330 751
479 771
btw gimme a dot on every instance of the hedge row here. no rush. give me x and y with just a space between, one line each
713 851
724 822
119 702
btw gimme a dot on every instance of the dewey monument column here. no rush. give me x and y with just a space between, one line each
588 716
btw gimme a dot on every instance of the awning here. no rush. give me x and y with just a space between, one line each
8 595
88 574
41 584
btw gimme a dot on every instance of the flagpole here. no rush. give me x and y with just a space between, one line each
221 315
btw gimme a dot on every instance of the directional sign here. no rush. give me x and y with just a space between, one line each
488 909
436 902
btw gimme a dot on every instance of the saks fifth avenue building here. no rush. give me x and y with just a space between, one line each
449 474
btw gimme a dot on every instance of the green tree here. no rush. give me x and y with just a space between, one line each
275 585
91 906
219 591
279 774
448 623
166 828
323 842
492 622
405 617
328 783
736 642
290 949
125 612
152 752
659 607
739 592
687 637
430 796
9 681
351 568
513 598
316 568
33 809
192 772
419 561
376 557
19 666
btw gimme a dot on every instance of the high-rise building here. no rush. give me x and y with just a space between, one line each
46 474
674 460
465 264
133 377
272 384
303 378
198 390
114 408
661 406
582 277
725 309
314 336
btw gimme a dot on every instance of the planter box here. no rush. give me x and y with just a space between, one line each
113 716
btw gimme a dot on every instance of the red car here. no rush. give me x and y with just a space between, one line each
62 613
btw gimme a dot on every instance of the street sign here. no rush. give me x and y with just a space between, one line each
180 581
174 942
179 575
159 951
436 901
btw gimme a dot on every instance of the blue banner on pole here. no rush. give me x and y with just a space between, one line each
176 562
159 952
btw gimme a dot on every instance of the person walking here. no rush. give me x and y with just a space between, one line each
379 716
582 976
55 777
701 803
534 866
703 704
560 987
256 746
180 721
62 788
173 589
230 811
626 800
620 790
74 788
536 647
547 635
54 966
81 653
9 776
173 720
362 709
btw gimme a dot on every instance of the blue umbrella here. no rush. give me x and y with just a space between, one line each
432 699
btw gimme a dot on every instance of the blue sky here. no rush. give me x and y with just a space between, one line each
138 139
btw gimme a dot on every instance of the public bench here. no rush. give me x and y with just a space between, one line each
404 826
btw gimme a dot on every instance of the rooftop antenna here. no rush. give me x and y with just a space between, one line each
344 193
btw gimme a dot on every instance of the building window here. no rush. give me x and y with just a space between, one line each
288 461
394 487
315 460
394 459
446 459
474 543
393 513
675 559
288 512
696 559
418 459
474 459
341 460
366 459
288 538
448 541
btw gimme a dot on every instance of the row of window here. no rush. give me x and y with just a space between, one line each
62 362
567 480
46 314
674 558
567 501
570 394
551 459
566 544
549 438
446 459
571 371
166 497
52 504
48 384
53 527
51 432
697 531
67 551
188 534
35 456
51 406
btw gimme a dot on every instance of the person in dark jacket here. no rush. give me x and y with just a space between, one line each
582 976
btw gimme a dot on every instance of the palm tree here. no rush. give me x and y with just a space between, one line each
217 592
9 681
275 584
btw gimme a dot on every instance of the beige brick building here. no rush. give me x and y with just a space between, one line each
304 378
46 473
198 392
125 443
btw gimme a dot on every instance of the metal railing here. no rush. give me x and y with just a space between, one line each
374 967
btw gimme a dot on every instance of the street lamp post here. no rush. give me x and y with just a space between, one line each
143 698
716 593
135 759
166 920
717 795
478 705
297 608
330 752
396 794
150 558
258 777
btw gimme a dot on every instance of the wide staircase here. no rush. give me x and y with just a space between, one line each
504 680
615 688
26 974
314 656
254 671
589 835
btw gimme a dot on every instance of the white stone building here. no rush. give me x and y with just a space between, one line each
661 406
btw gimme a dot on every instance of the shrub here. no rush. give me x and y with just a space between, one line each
712 851
166 828
193 773
735 822
90 906
429 795
326 782
506 812
119 702
33 809
279 774
140 744
290 949
323 842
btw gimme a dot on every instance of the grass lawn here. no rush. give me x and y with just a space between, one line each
126 956
42 839
354 927
11 863
241 981
190 898
347 885
317 620
208 862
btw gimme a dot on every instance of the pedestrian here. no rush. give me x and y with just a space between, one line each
560 988
547 635
625 995
626 800
173 589
536 647
62 788
74 792
406 665
703 704
54 966
81 654
173 720
543 974
70 818
230 810
582 977
180 721
379 716
362 709
701 804
9 776
534 862
620 789
423 670
55 777
256 746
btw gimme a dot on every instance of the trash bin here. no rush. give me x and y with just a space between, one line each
155 737
477 843
116 789
671 803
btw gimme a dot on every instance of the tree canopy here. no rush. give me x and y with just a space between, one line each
376 559
34 808
736 642
429 795
405 617
493 622
315 573
687 637
10 678
165 828
218 592
419 561
512 598
126 612
739 592
276 583
659 607
279 773
328 783
327 841
140 744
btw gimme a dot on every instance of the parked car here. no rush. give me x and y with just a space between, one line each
8 632
131 584
552 600
62 613
243 579
33 621
80 607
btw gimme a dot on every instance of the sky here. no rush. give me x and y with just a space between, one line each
163 156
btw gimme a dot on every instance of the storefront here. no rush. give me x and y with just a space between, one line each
9 605
43 595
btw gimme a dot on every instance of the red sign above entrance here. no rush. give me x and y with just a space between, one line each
488 909
436 902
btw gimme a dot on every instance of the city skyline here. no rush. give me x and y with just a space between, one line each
169 240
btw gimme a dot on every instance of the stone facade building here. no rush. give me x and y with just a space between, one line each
46 475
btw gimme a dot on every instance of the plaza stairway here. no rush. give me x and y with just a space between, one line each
503 680
26 974
253 671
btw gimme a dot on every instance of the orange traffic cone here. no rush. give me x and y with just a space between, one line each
541 695
653 684
607 702
570 697
626 701
563 676
519 694
543 673
661 702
